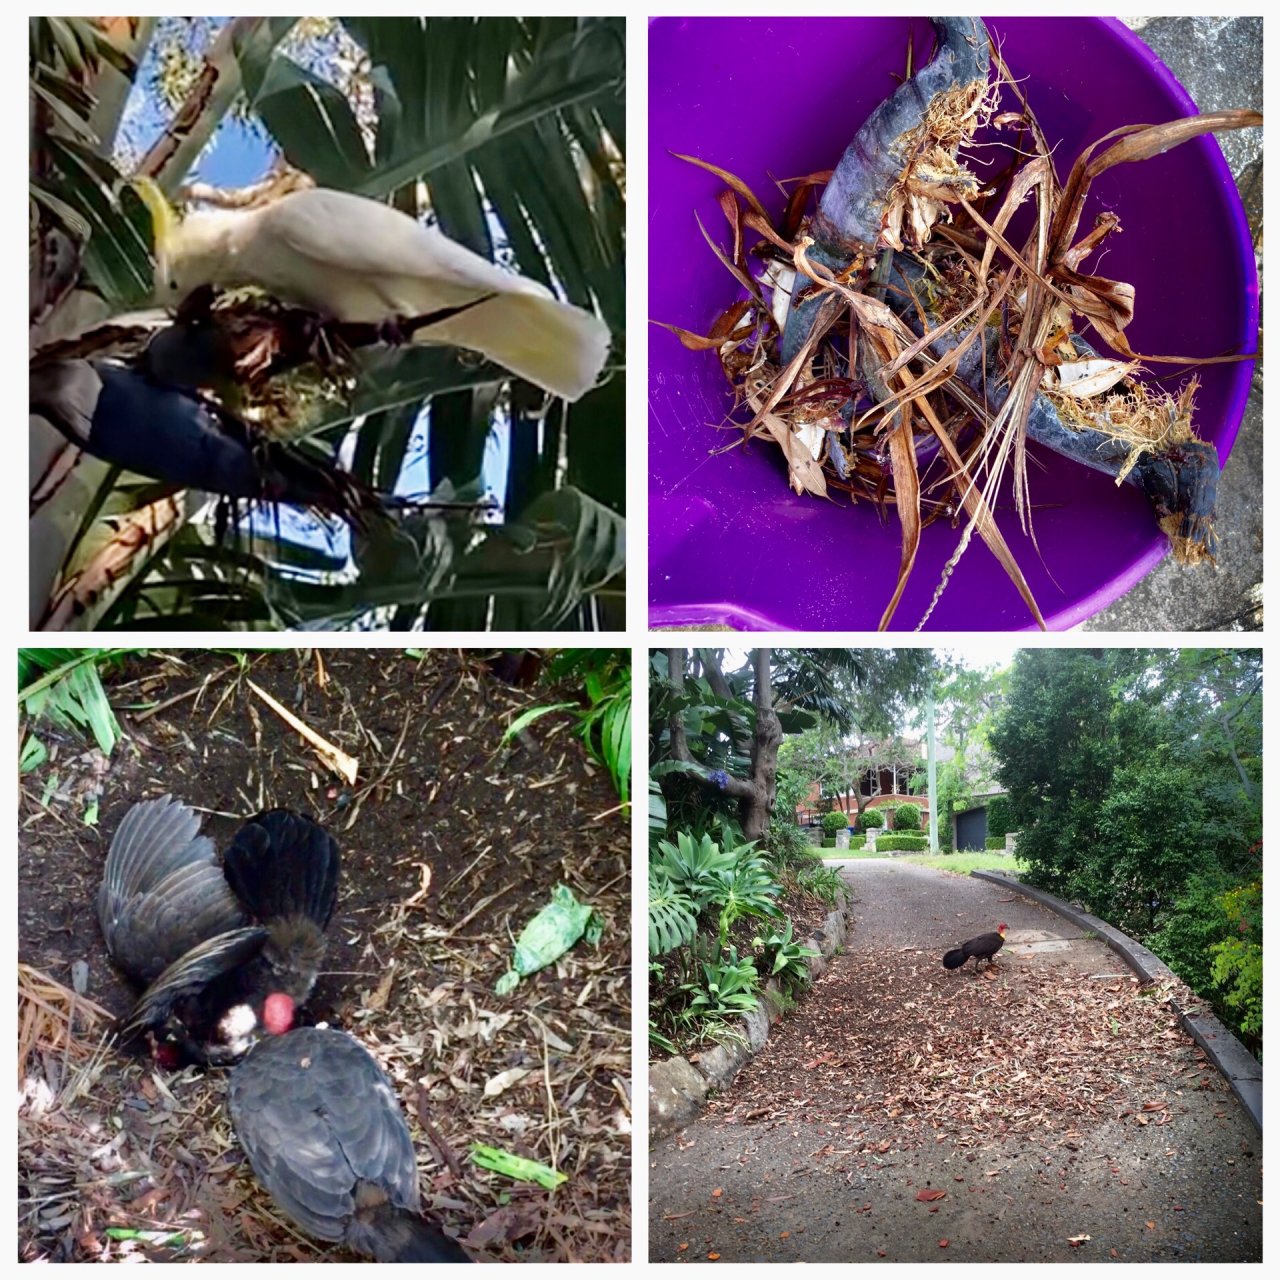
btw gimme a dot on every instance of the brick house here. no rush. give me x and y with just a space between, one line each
885 785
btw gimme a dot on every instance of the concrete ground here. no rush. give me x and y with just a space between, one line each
903 1112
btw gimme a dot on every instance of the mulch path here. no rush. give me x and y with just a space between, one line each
908 1054
451 843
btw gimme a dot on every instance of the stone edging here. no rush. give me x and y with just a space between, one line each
1242 1071
678 1088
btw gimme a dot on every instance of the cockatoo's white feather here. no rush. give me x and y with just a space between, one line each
365 263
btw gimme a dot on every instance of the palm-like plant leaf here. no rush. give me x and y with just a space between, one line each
517 128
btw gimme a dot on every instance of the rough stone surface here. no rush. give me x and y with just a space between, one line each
676 1091
1218 60
722 1062
756 1028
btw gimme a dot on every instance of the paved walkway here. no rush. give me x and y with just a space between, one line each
907 1113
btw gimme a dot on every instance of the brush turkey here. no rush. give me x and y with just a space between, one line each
983 947
326 1137
228 951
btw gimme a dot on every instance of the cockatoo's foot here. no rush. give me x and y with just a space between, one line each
197 305
395 331
326 345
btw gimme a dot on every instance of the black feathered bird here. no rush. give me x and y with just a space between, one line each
326 1137
228 951
983 947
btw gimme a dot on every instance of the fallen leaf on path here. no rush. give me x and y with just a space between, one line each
930 1193
942 1244
1076 1241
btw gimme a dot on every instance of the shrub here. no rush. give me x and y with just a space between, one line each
907 817
905 844
821 882
728 986
872 818
995 843
784 959
692 868
857 842
788 844
749 889
999 821
835 821
828 842
673 916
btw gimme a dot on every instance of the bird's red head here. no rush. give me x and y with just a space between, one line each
167 1055
277 1013
1000 929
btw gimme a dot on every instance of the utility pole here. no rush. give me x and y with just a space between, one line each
933 783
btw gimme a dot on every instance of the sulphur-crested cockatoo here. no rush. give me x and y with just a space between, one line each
366 263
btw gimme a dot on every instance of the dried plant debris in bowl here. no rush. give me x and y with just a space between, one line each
900 347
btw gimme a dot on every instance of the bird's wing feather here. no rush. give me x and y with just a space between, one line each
283 863
191 974
162 890
363 237
316 1115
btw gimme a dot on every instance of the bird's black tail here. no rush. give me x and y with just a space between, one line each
954 958
391 1234
284 864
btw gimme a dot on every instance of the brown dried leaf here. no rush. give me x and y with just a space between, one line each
930 1193
735 182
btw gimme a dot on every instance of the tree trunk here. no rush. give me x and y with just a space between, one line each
757 808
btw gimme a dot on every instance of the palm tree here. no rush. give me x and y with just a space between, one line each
510 132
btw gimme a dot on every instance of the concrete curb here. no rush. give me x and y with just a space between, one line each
678 1088
1242 1071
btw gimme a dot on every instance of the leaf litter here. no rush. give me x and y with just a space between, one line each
905 1058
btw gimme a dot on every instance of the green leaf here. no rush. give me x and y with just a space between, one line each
34 754
516 1167
528 716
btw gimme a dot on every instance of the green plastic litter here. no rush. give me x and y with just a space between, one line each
516 1167
550 934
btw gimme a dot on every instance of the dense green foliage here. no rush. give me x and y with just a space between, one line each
999 819
903 843
835 821
871 818
906 817
994 842
1134 780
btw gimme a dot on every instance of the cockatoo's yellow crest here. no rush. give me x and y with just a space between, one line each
164 219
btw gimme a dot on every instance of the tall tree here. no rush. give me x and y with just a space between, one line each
723 728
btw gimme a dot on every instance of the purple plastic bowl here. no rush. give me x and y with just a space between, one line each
728 542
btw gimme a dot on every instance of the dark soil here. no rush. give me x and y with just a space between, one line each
450 844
